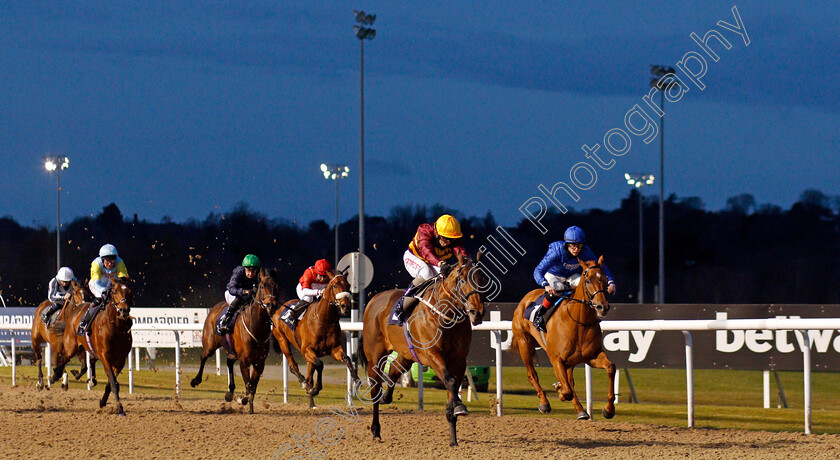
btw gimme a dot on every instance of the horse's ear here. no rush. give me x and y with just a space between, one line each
460 258
584 263
601 261
478 255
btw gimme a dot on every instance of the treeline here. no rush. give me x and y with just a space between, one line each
743 254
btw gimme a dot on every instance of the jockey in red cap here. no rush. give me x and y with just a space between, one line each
310 288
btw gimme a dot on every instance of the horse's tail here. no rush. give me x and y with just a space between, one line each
275 344
360 359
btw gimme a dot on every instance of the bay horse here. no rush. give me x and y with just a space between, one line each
54 334
574 337
110 339
248 342
317 334
440 338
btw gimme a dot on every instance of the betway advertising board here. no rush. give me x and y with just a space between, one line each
756 350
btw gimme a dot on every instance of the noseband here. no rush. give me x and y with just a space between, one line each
461 299
336 297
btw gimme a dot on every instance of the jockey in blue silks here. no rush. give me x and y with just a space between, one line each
560 270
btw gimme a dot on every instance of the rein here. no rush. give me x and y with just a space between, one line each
461 312
587 302
261 302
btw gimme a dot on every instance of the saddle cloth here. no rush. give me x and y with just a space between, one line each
418 291
287 313
222 314
530 311
53 317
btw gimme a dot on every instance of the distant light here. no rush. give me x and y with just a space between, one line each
50 165
639 180
333 171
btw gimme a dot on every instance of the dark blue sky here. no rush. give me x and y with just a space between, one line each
186 109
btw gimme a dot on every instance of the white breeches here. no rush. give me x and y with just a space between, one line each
560 283
418 267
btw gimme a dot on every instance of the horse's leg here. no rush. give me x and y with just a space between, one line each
565 388
375 394
245 370
527 345
256 373
206 352
339 355
452 381
581 412
231 381
313 364
104 400
60 362
396 369
287 352
114 386
38 355
602 362
77 374
92 371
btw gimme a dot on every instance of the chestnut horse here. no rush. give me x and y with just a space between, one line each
248 342
110 339
440 338
54 334
574 337
317 334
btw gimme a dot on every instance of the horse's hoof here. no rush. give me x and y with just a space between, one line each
582 415
453 444
65 387
76 374
558 386
102 404
92 382
39 386
194 382
377 439
460 409
228 397
243 400
121 414
545 408
608 415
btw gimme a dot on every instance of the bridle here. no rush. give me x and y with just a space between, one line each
336 296
461 312
263 300
109 300
589 296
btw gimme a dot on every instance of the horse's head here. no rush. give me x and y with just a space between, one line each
594 284
120 295
80 293
267 290
464 283
337 293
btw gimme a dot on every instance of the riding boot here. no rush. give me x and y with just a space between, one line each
45 315
297 310
84 324
224 327
539 319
